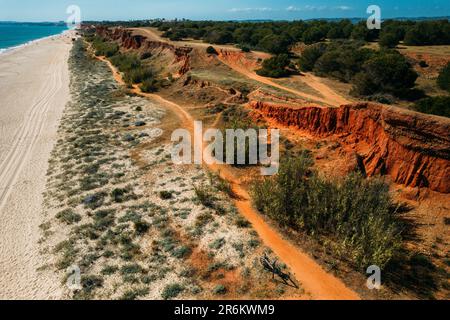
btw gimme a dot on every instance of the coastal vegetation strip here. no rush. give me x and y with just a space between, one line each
138 227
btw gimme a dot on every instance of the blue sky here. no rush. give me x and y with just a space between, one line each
55 10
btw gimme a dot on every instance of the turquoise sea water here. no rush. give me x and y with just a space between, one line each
16 34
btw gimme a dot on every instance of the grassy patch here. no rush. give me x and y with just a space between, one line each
172 291
68 216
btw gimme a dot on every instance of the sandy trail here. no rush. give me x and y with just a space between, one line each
314 279
232 57
34 88
330 97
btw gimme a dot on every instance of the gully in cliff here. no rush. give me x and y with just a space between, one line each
237 150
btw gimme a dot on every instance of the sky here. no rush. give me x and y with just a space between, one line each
55 10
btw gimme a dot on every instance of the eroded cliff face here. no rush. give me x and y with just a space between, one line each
413 148
127 40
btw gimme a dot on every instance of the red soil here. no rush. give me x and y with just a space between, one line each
413 148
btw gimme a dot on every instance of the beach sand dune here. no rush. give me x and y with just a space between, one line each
34 89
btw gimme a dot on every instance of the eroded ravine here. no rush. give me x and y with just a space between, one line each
232 57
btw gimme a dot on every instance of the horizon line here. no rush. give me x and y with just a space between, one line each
229 20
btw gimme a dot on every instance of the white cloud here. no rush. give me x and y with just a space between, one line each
316 8
344 8
292 8
264 9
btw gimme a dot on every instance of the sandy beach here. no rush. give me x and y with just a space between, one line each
34 89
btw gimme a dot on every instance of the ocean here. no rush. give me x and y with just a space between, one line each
14 34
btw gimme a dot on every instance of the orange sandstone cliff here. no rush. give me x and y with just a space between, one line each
127 40
412 148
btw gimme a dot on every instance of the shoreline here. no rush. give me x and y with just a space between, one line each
4 51
34 90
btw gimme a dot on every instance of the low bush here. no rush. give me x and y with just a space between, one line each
423 64
172 291
275 67
140 75
211 50
220 290
205 196
355 213
118 195
181 252
146 55
389 40
131 295
68 216
386 72
444 78
104 48
434 105
126 62
310 55
141 227
90 283
165 195
149 86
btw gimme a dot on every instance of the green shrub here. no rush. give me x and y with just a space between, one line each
126 62
434 105
165 195
68 216
203 220
103 219
389 40
205 196
385 72
310 55
140 75
149 86
146 55
104 48
94 201
444 78
131 295
275 67
141 227
172 291
181 252
242 223
356 213
220 290
274 43
130 269
90 283
423 64
313 35
425 33
217 244
109 270
211 50
118 195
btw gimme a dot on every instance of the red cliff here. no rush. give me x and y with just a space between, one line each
127 40
413 148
